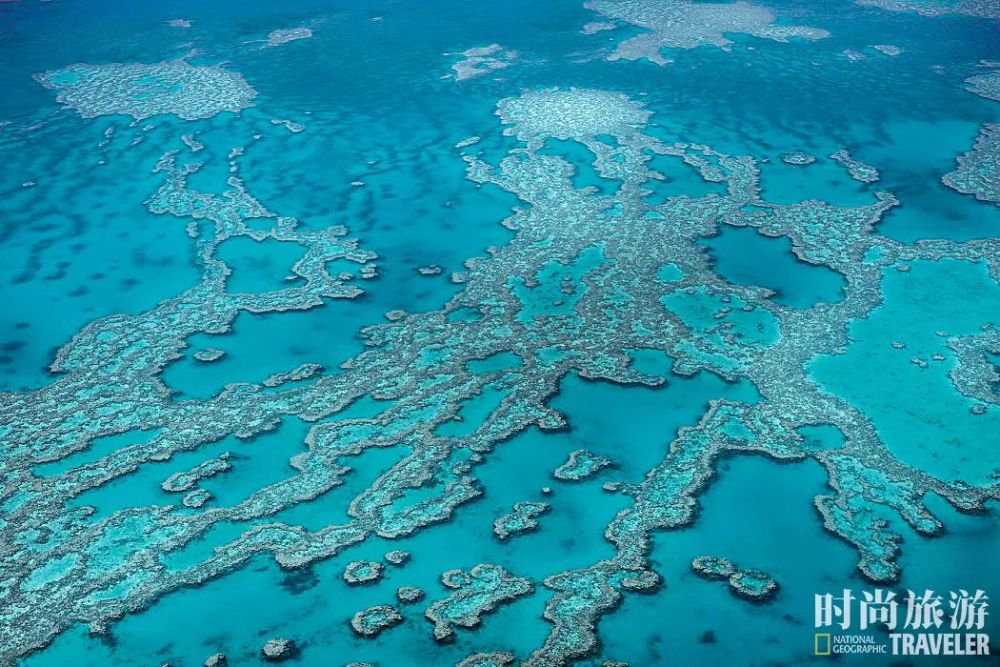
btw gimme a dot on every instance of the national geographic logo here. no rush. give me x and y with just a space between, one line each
924 617
822 640
826 643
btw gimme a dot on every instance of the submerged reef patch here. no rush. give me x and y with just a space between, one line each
682 24
524 518
888 49
581 464
494 659
409 594
362 572
980 8
283 36
397 557
372 621
173 87
753 585
278 650
978 171
476 592
601 255
209 354
798 158
570 114
859 171
713 567
481 60
976 374
986 85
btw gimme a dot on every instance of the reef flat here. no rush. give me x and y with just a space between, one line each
686 25
447 378
174 87
982 8
978 171
482 60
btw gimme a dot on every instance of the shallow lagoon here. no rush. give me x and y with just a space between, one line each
359 126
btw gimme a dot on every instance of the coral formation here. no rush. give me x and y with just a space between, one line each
753 585
888 49
859 171
362 572
476 592
581 464
63 564
209 355
279 37
986 85
171 87
978 171
397 557
523 519
981 8
682 24
409 594
278 650
373 621
482 60
798 158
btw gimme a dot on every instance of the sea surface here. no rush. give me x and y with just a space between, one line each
291 286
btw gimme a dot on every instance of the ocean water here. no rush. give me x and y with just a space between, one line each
290 287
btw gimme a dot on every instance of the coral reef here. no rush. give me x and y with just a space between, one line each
713 567
482 60
494 659
581 464
373 621
397 557
278 650
303 372
362 572
279 37
798 158
981 8
986 85
209 355
888 49
859 171
576 113
975 374
171 87
978 171
185 481
476 592
523 519
63 564
681 24
431 270
409 594
753 585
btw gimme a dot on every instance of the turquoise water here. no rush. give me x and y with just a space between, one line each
362 302
933 432
744 256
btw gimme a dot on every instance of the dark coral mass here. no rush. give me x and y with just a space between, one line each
631 332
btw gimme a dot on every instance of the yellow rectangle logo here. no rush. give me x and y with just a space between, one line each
822 639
